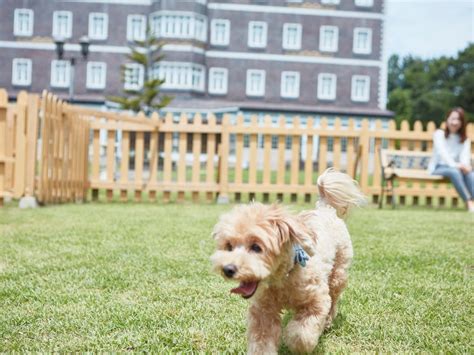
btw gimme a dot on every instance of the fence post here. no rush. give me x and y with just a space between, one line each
85 163
45 133
3 141
20 146
32 141
364 156
224 162
10 148
211 177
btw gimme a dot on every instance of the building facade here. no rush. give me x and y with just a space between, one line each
317 56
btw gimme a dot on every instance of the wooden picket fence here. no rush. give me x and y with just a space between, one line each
63 160
18 134
58 152
43 150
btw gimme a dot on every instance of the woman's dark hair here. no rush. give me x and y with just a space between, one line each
462 130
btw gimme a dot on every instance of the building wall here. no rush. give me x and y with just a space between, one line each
237 56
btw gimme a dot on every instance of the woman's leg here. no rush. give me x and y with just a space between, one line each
456 177
469 181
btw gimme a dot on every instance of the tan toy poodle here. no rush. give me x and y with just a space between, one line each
283 261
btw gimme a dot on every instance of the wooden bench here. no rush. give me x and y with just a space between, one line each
402 165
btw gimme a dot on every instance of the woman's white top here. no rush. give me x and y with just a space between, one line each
449 151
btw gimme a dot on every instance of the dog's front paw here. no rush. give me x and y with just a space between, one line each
330 320
259 348
301 337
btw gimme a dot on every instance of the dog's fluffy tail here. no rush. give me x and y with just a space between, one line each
340 191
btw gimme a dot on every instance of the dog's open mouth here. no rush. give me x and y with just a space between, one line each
246 289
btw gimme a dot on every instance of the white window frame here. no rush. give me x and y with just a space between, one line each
250 42
68 31
358 50
130 35
248 88
179 24
330 2
103 76
217 91
286 28
200 33
283 92
366 96
67 73
141 77
214 39
105 33
180 75
199 73
15 63
321 94
322 46
364 3
17 30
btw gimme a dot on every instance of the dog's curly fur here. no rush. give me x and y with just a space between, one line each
255 247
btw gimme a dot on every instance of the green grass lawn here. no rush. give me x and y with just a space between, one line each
122 277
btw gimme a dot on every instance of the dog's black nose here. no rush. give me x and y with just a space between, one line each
229 270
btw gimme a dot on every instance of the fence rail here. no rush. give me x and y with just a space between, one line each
58 152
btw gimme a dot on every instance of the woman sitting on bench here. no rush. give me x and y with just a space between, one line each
452 156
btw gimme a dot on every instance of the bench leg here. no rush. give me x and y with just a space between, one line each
392 189
382 190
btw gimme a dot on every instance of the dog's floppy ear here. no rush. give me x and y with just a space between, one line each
289 229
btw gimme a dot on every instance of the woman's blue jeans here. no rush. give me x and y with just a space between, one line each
463 183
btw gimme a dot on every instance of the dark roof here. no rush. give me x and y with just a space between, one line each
221 105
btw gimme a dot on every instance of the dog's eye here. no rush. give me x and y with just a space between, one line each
256 248
228 247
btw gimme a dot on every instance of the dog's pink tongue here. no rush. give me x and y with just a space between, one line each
246 289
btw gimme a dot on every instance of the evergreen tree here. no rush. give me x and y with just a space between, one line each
147 99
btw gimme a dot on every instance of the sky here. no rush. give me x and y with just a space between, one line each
428 28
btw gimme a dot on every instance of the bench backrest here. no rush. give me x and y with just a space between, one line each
402 159
407 159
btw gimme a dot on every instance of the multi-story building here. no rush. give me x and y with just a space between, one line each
316 56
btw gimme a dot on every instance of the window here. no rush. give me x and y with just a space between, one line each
62 24
218 81
360 91
180 75
198 78
330 2
136 27
220 32
362 41
364 3
172 24
133 75
257 34
21 72
327 86
255 82
23 22
96 75
290 84
292 36
200 28
328 38
98 25
60 73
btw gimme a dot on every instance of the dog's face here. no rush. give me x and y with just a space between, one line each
251 242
